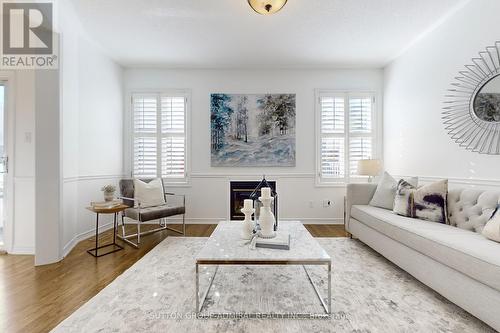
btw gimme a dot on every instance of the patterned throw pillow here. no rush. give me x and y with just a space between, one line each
430 202
403 201
492 228
426 203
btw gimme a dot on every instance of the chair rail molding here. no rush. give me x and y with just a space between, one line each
470 182
71 179
252 175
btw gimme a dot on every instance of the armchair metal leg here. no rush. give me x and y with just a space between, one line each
123 226
138 232
183 232
163 226
124 237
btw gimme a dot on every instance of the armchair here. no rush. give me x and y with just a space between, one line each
145 214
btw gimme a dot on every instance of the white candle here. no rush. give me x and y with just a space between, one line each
248 204
265 192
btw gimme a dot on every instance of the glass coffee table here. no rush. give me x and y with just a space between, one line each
225 247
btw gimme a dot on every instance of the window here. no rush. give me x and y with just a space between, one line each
159 136
345 134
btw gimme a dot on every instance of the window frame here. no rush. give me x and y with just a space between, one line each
321 181
129 134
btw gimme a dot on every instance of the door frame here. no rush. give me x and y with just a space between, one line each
8 80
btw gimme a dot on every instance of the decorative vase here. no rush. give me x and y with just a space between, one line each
109 196
248 225
266 218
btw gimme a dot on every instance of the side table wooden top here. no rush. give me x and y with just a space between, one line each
112 210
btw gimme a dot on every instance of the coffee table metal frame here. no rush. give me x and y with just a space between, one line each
323 262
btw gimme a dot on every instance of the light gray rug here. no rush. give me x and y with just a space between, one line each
369 295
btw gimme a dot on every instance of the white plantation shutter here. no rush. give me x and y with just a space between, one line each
332 114
145 143
173 157
145 162
346 134
360 148
173 150
333 157
145 107
159 144
360 131
332 129
360 114
173 113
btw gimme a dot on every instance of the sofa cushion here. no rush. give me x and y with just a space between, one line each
154 213
492 228
386 191
467 252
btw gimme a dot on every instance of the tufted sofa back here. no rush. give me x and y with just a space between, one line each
471 209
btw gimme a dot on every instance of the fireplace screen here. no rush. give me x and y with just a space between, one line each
239 191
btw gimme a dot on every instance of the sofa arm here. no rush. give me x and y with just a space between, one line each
357 194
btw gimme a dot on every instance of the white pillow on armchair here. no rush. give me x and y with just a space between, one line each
149 194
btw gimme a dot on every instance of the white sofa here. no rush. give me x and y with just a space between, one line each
454 260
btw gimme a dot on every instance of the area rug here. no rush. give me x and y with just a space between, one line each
369 294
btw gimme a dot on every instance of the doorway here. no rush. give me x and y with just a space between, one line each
3 165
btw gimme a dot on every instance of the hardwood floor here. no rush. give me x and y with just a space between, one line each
36 299
326 230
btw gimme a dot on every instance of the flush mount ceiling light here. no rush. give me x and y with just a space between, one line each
266 7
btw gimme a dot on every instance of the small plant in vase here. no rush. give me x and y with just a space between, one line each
109 192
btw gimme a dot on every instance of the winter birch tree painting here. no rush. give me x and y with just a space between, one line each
252 130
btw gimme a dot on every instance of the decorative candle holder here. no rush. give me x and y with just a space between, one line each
257 203
248 224
266 218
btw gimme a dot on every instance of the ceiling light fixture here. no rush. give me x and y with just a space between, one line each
266 7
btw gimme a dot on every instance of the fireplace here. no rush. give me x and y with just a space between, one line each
239 191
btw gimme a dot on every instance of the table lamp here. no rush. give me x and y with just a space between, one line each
370 168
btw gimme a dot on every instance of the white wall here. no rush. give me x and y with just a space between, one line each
208 196
92 98
415 141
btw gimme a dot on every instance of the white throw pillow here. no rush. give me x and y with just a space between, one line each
149 194
386 191
492 228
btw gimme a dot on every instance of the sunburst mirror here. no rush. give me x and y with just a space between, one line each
472 106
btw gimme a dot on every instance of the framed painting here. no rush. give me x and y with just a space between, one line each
252 130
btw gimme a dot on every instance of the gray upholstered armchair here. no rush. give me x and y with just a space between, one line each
141 215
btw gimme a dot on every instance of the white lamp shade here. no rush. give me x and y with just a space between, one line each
369 167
